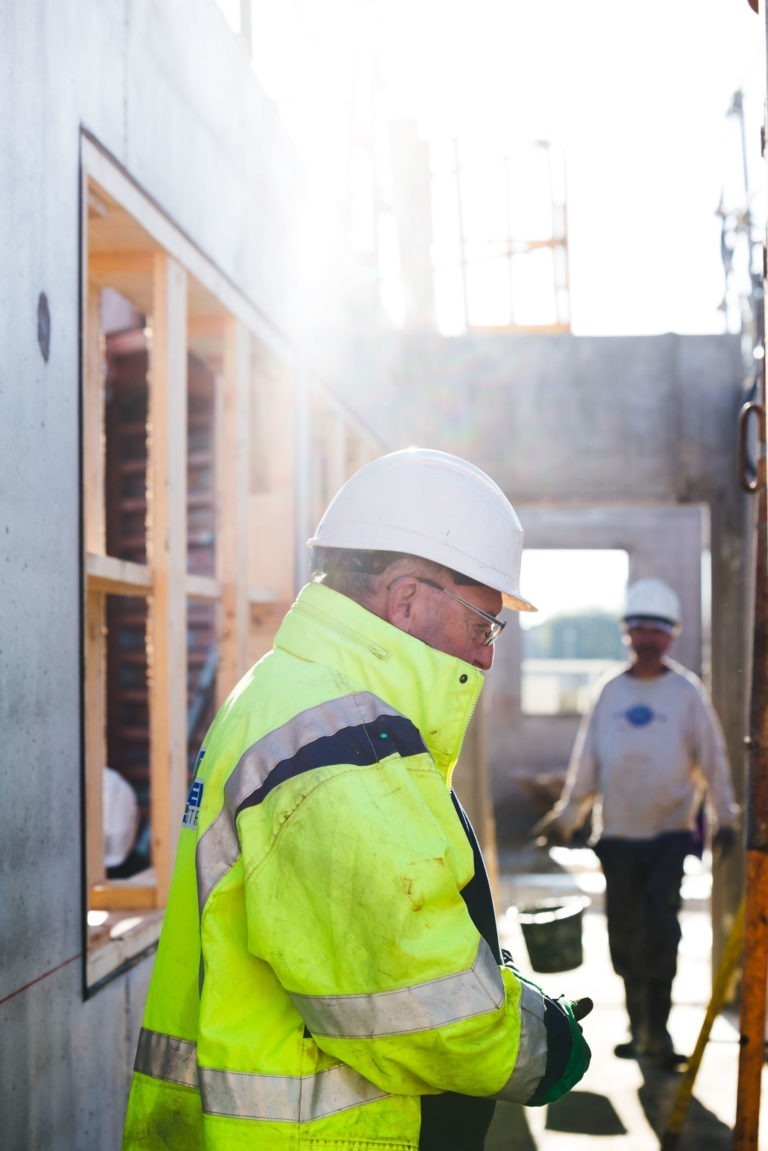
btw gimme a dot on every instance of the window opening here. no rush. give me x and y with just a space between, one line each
575 637
158 414
500 244
181 377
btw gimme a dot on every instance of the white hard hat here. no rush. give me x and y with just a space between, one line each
121 817
652 599
434 505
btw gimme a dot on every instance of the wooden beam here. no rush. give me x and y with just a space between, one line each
265 595
167 553
93 424
94 532
202 587
117 184
106 266
232 475
208 324
94 695
118 894
118 577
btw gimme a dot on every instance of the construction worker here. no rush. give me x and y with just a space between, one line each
329 974
647 753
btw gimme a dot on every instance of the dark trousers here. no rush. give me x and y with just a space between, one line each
642 904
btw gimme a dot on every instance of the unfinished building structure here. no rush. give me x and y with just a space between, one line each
183 390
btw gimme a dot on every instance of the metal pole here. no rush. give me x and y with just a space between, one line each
755 962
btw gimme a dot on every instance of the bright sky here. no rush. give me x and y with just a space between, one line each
637 95
595 579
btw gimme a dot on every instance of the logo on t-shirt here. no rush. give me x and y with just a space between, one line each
639 715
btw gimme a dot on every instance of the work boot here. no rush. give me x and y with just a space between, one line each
636 997
659 1049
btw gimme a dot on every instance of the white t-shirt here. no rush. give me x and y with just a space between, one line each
645 755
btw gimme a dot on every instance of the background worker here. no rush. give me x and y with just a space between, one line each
329 973
647 753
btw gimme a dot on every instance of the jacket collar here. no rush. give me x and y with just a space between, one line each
437 692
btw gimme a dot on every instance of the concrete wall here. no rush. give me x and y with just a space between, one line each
599 442
165 87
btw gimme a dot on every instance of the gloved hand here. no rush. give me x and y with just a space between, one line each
568 1054
578 1059
581 1007
550 832
723 842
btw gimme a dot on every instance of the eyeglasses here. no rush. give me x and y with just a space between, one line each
495 626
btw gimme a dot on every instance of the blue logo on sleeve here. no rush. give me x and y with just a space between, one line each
192 810
639 715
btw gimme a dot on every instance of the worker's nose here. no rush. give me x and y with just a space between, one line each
484 659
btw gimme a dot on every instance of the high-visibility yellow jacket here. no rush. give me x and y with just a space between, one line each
320 981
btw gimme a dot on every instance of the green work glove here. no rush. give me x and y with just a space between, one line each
568 1052
578 1059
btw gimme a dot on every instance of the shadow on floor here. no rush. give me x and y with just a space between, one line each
578 1113
509 1130
585 1113
700 1127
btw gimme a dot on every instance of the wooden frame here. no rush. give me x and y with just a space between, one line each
186 301
190 310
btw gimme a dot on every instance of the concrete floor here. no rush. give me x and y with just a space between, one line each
620 1103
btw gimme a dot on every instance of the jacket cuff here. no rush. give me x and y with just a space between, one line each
559 1045
531 1063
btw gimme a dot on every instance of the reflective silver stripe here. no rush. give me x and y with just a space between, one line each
283 1097
217 851
166 1057
423 1007
531 1062
286 1098
219 848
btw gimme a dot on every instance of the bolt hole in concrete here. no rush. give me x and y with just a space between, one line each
43 326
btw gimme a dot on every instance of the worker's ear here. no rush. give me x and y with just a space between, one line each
400 603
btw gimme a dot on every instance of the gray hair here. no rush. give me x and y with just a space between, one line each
360 574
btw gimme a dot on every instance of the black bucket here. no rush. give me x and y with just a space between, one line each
552 933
